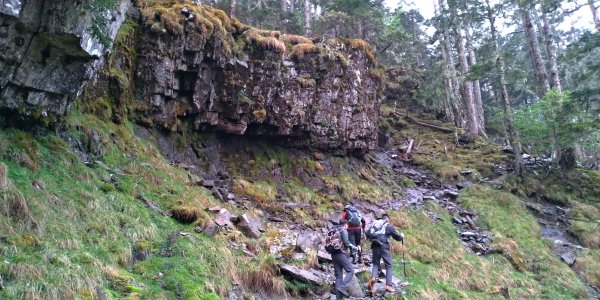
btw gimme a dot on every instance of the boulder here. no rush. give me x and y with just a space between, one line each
568 258
217 194
307 241
248 225
224 218
309 276
355 289
211 229
207 183
324 256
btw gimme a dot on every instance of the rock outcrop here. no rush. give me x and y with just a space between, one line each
188 67
48 49
217 75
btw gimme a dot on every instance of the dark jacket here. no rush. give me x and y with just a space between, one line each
390 231
345 240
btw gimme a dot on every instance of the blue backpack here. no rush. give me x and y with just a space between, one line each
377 232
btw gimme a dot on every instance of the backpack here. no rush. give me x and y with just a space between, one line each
377 232
333 241
353 216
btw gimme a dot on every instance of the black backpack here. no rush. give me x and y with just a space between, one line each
333 241
353 216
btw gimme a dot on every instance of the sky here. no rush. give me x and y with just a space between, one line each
580 19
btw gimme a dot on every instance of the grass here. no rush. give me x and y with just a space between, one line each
437 151
50 258
517 232
440 267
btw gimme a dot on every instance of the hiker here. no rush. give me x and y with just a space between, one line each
379 233
336 243
356 223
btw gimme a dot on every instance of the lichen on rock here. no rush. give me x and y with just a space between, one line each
311 93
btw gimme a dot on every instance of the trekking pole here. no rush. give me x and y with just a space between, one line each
404 260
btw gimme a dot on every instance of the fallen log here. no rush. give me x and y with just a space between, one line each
413 120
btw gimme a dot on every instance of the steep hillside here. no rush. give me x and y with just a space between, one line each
205 159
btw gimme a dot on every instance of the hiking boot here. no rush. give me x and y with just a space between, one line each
372 285
389 289
343 292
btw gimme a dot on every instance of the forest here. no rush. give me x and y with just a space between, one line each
212 149
524 73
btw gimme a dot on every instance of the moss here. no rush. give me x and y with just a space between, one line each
362 45
266 40
259 114
306 82
300 50
295 39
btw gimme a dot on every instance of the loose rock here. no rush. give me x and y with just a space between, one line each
310 276
248 226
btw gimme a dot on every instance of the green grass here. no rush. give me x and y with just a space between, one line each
80 230
440 267
517 232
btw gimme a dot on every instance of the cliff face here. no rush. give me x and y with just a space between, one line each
189 67
47 52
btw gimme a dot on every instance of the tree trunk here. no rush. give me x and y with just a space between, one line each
448 87
233 8
307 15
536 55
551 50
456 103
476 87
513 134
594 14
466 87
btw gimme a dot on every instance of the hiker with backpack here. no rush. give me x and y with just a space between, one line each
379 233
356 223
336 244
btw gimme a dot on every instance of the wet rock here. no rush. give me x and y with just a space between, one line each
207 183
230 196
464 185
457 220
309 276
217 194
44 89
355 289
468 234
568 258
224 218
211 230
249 226
451 193
324 256
198 229
307 241
214 209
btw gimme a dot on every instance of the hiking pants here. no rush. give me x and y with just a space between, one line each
380 252
354 238
342 263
